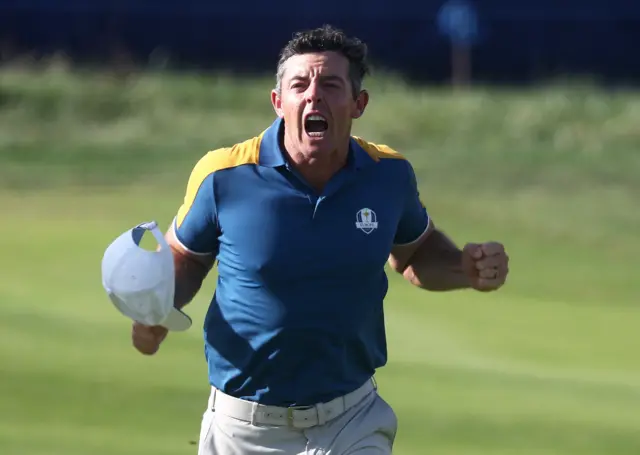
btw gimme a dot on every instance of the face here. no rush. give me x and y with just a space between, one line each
317 103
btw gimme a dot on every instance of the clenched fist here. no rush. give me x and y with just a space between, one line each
486 265
147 339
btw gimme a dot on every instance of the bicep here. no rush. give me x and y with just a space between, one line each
190 269
183 256
194 232
414 226
195 227
193 241
401 254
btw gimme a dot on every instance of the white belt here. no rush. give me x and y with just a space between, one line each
295 416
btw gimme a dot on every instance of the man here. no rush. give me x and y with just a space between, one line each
302 220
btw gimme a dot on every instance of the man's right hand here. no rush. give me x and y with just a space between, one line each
147 339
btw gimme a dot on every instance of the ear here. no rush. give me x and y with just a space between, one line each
360 104
276 102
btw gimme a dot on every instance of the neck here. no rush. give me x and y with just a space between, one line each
317 170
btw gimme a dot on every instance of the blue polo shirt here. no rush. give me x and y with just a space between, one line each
297 315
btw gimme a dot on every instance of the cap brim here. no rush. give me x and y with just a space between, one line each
177 321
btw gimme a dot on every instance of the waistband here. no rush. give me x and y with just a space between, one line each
294 416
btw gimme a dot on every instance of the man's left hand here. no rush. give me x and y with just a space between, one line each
486 265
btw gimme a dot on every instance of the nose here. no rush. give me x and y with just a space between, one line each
313 94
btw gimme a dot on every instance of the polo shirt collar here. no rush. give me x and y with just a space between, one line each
272 154
358 156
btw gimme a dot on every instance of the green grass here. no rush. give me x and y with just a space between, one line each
549 365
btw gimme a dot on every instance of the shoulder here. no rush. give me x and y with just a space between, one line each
242 153
239 154
379 152
393 162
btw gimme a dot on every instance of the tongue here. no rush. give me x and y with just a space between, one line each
315 126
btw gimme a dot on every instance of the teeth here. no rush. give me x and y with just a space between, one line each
316 117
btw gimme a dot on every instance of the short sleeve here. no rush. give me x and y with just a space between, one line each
196 223
414 220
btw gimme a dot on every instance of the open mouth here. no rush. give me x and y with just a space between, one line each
316 125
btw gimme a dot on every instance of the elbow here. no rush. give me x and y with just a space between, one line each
407 271
410 275
398 266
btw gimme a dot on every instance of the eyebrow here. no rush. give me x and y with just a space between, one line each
330 78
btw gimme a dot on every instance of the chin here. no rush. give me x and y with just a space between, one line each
319 146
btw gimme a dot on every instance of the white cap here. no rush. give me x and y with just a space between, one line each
141 283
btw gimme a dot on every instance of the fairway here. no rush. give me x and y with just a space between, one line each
547 366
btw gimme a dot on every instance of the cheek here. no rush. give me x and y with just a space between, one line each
290 107
343 105
344 111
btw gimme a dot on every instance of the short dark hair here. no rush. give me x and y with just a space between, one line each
328 39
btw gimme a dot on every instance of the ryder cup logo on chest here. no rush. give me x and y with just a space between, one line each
366 220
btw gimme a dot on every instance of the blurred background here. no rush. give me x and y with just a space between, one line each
522 120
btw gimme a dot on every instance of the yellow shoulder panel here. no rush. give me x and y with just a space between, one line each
378 151
247 152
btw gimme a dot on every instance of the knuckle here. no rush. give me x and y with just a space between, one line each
146 349
142 337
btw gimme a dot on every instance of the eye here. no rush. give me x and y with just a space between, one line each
332 84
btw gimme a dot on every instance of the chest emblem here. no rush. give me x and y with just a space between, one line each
366 220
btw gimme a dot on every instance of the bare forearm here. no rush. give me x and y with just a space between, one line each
437 265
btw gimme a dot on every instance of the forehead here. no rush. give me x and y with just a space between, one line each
320 63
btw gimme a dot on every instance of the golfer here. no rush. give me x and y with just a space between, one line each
302 219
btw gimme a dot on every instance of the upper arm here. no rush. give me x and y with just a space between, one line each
185 259
414 227
194 231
